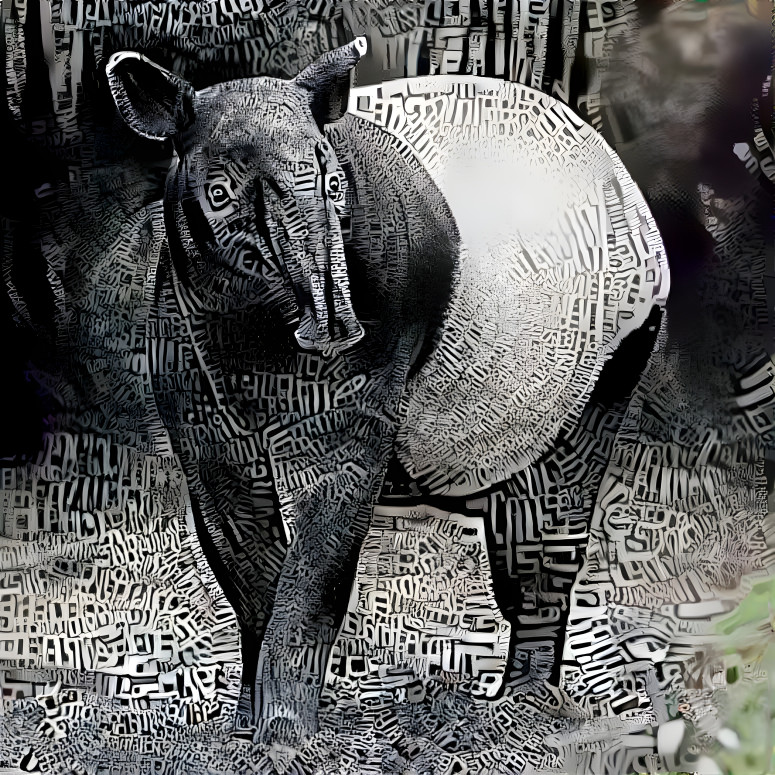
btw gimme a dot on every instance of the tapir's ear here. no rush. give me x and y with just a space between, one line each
154 102
327 81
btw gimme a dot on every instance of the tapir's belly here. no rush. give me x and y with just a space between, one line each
561 261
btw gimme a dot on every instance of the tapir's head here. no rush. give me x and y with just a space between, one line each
252 201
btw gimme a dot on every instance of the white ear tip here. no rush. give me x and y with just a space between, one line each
119 56
361 46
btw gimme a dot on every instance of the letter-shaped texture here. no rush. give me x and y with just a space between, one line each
319 299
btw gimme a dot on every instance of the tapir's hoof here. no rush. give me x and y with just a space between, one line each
265 766
284 731
282 757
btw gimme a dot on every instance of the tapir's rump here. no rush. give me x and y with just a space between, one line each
561 261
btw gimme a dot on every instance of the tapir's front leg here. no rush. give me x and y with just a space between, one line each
328 469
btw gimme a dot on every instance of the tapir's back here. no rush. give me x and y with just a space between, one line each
561 260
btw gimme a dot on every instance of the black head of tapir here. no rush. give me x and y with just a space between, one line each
252 199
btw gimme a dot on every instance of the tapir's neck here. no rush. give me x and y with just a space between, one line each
175 240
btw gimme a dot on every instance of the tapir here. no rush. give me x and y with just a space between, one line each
321 311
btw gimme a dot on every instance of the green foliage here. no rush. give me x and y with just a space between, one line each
748 643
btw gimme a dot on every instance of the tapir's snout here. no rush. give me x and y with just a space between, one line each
328 321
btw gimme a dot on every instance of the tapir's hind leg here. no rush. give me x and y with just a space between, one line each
537 527
537 523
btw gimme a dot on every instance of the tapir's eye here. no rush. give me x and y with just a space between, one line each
219 194
335 189
334 182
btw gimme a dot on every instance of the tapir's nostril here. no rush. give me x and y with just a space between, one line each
349 337
313 334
